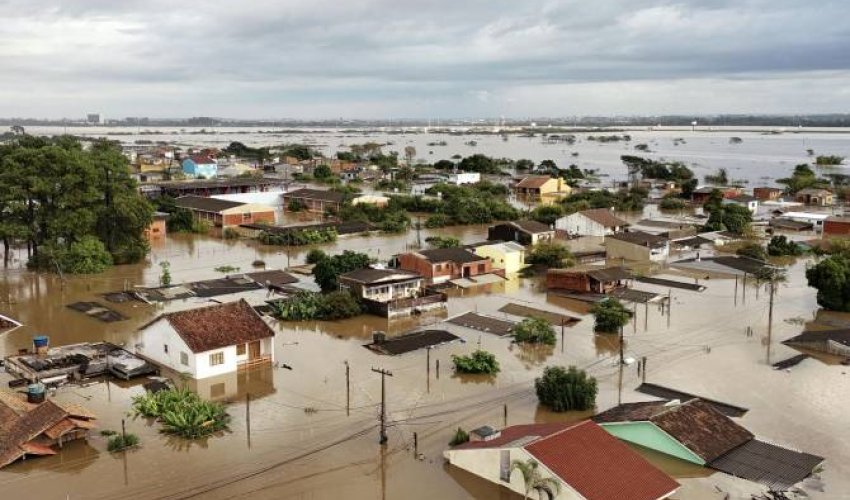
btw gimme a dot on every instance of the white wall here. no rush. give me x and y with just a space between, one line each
159 334
203 369
268 198
578 224
486 463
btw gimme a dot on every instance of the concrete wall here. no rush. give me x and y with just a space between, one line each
486 463
154 340
270 198
618 249
511 262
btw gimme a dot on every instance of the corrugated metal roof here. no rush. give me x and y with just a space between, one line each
774 466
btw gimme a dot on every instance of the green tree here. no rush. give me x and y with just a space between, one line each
327 270
753 251
781 246
524 164
566 389
442 241
165 275
533 480
610 315
831 278
548 254
322 172
534 331
315 255
547 214
479 362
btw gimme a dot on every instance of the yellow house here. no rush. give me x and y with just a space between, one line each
537 187
509 256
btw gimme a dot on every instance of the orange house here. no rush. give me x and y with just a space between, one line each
157 228
225 213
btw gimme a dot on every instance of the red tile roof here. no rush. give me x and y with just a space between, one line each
514 433
221 325
533 181
599 466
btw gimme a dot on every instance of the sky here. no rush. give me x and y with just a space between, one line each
428 59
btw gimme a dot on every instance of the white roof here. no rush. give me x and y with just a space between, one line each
805 215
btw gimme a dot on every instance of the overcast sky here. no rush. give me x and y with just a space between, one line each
422 59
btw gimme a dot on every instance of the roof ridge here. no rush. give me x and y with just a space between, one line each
569 427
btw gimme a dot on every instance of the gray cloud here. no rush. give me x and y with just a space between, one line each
376 58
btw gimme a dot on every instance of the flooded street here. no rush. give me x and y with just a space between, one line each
304 443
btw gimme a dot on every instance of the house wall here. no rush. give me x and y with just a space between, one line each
577 282
511 262
506 232
578 224
465 178
650 436
384 292
836 228
205 170
767 194
486 464
153 340
618 249
156 230
249 218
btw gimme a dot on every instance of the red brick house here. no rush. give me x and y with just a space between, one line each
442 264
836 226
225 213
767 193
587 281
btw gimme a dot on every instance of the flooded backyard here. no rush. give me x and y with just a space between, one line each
306 441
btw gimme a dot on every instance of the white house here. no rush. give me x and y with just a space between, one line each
208 341
594 222
751 203
459 178
585 460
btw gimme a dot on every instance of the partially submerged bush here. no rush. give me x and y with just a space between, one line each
118 442
478 362
566 389
182 412
534 331
460 437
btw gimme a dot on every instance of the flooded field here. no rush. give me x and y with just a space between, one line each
307 442
762 156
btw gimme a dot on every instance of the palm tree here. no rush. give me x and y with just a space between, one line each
533 480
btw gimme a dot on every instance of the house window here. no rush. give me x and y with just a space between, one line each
505 466
241 350
481 268
184 358
165 348
216 358
246 217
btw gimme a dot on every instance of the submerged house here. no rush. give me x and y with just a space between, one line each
586 461
31 428
587 281
226 213
200 166
443 264
637 246
208 341
833 342
695 431
313 200
391 292
509 256
593 222
525 232
815 196
535 187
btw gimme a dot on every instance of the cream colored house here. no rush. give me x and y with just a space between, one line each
509 256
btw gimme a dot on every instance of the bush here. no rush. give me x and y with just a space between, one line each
460 437
305 306
327 270
117 442
753 251
610 315
295 206
298 237
437 220
671 203
781 245
315 255
566 390
231 234
547 214
87 256
478 362
534 331
550 255
182 412
442 241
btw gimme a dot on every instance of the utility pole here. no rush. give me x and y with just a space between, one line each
248 417
620 382
562 334
736 290
419 231
669 304
770 316
347 389
384 375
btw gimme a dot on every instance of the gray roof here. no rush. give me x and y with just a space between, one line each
315 194
457 254
640 238
203 204
368 275
610 274
529 226
837 336
774 466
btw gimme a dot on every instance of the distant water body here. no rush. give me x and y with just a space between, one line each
762 155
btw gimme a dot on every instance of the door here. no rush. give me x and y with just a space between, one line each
253 350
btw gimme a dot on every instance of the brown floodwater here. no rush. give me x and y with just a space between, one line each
304 443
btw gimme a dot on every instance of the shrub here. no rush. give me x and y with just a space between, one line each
610 315
566 389
671 203
753 251
295 206
442 241
460 437
118 442
87 256
182 412
315 255
437 221
304 306
781 245
534 331
478 362
231 234
299 237
550 255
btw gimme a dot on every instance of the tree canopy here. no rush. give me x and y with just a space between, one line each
65 202
564 389
327 270
534 331
831 278
610 315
